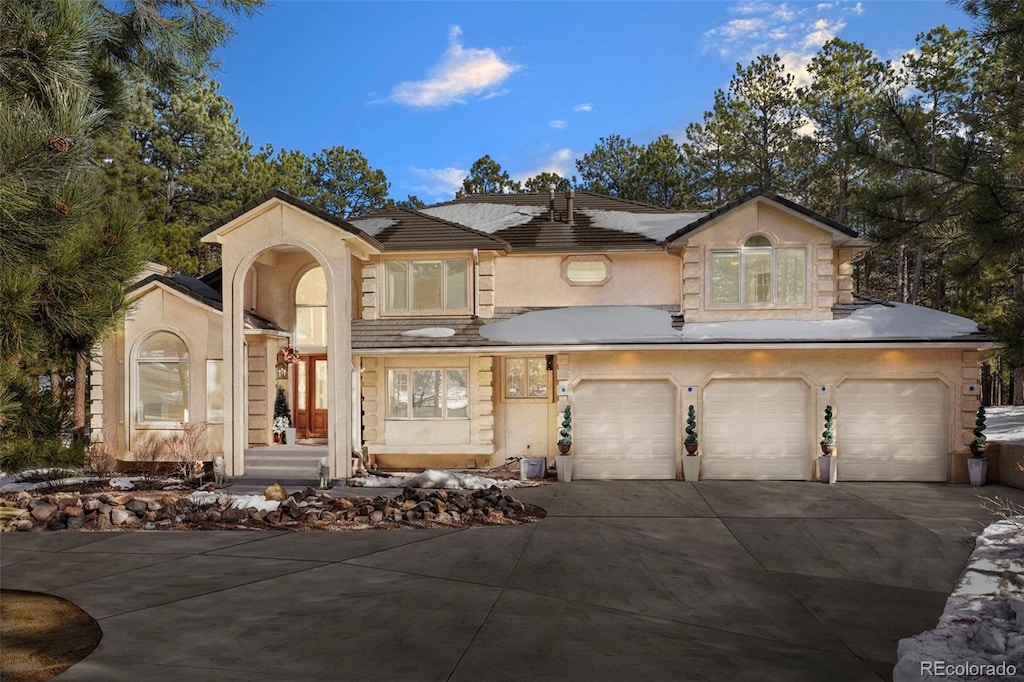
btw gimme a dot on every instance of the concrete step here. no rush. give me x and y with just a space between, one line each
284 462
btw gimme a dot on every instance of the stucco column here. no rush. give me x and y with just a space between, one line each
339 364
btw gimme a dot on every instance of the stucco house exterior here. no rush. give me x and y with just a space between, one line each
451 336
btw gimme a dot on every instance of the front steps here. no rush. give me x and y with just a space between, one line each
286 464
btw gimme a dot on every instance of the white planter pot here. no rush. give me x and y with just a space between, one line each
289 436
564 464
977 469
826 466
691 468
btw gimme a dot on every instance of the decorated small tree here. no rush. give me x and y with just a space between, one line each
979 444
282 413
828 436
691 441
566 431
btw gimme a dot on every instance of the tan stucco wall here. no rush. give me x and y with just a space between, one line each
398 443
518 424
649 278
276 238
828 270
158 309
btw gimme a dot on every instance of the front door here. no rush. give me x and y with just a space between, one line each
311 396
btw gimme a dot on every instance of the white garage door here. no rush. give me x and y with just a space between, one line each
756 429
891 430
624 429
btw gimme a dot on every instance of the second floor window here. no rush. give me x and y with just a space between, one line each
427 285
758 273
311 309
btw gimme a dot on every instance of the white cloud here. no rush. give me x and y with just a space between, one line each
794 32
557 124
462 71
559 161
821 32
437 182
579 108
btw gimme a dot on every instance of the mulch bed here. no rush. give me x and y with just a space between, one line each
42 635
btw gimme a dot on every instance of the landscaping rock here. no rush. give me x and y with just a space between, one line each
23 525
275 492
43 512
137 506
119 517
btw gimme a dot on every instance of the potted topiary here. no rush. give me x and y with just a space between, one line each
691 462
564 443
828 445
283 430
977 465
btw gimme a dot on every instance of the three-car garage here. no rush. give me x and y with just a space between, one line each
761 428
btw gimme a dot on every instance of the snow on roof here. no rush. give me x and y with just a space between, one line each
485 217
872 323
431 332
1005 423
585 324
636 324
656 226
373 226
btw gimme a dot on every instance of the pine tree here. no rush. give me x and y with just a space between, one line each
486 176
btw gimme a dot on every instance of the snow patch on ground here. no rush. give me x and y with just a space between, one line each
585 324
205 498
433 478
983 622
1005 423
486 217
12 483
373 226
431 332
656 226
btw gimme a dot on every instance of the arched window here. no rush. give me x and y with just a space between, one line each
758 273
311 309
163 379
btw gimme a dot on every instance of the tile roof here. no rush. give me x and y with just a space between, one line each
750 196
202 292
403 229
298 203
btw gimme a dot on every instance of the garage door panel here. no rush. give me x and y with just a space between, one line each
892 430
755 429
624 429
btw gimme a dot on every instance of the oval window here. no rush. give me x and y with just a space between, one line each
587 270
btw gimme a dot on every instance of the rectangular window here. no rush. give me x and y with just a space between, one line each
526 378
428 394
163 391
397 285
427 285
792 273
725 277
215 391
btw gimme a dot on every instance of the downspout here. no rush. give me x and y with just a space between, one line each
476 283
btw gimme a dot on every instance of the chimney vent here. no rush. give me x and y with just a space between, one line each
551 203
570 195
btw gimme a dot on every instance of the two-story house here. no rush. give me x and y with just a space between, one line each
451 337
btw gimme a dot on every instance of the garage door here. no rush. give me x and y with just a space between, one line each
891 430
624 429
756 429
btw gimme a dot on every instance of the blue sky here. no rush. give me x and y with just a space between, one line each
423 89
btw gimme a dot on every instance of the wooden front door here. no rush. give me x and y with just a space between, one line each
311 396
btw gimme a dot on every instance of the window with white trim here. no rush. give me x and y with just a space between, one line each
526 378
759 273
163 385
215 391
428 393
311 309
440 285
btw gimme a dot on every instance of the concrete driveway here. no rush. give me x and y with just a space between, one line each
647 580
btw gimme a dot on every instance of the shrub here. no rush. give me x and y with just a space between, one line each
691 426
566 430
828 436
